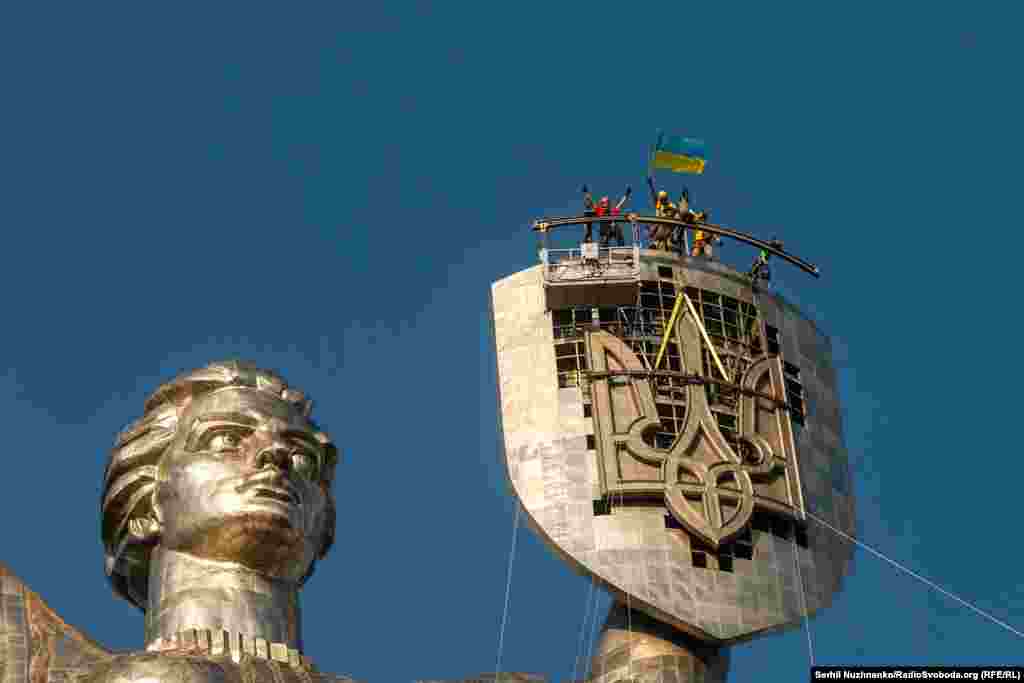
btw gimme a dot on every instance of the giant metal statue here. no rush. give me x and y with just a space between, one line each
216 507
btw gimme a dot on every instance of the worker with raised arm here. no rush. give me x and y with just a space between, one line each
702 239
613 229
661 235
588 210
686 215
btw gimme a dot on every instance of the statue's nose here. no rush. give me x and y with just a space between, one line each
278 455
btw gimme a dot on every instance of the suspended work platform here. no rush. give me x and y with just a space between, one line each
596 275
603 276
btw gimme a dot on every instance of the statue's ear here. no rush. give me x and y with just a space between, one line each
143 530
146 527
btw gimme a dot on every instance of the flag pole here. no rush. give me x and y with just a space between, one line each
650 155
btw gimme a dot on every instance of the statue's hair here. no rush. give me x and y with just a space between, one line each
131 475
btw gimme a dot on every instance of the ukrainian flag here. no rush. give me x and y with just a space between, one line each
679 154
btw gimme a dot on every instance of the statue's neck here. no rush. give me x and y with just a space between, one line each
186 592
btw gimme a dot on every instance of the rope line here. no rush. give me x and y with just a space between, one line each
803 600
629 606
917 576
593 638
508 591
581 647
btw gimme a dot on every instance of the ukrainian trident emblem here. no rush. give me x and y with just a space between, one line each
710 479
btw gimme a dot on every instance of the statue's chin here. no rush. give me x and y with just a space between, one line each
267 543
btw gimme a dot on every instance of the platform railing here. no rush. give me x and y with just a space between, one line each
545 226
590 262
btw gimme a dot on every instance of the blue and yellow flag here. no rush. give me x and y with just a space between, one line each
679 154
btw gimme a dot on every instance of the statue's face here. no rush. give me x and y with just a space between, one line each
240 483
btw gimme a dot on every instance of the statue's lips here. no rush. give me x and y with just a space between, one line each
276 488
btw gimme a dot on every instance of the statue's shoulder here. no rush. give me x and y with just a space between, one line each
164 667
36 645
320 677
177 666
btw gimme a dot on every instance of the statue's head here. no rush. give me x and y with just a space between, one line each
224 465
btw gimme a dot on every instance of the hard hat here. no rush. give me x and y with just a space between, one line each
662 194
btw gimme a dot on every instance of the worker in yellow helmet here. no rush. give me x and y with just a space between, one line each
702 239
685 215
661 235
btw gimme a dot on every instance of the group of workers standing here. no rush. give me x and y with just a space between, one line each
662 237
666 237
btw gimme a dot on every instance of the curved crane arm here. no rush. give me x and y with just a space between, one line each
548 224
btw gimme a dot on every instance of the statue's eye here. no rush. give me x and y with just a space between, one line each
225 440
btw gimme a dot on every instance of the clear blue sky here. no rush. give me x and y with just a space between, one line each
329 189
